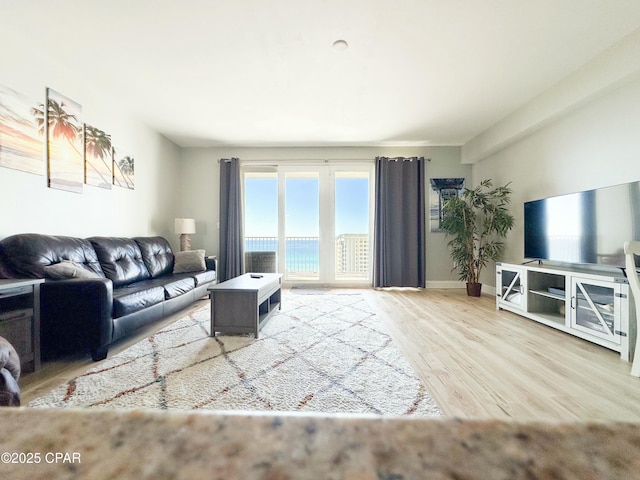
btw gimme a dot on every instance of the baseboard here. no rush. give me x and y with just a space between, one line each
489 289
445 284
432 284
454 284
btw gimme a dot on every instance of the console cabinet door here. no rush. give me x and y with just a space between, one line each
596 308
510 282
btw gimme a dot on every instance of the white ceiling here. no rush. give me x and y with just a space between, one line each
264 73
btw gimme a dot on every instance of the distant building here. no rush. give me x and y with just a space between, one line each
352 254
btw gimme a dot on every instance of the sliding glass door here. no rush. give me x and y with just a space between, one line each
316 222
352 225
261 221
301 226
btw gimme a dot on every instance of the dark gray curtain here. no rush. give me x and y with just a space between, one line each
399 229
231 248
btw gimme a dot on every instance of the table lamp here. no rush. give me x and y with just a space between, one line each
185 227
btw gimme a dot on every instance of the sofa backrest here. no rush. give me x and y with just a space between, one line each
157 255
26 254
120 259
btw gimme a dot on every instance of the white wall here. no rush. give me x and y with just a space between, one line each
579 134
199 191
28 205
613 68
593 146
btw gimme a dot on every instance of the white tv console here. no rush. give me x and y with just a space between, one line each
592 306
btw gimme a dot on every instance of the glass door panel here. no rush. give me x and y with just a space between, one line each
511 288
261 221
594 309
351 216
313 223
301 224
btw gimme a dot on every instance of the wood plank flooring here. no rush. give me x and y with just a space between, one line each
481 363
477 362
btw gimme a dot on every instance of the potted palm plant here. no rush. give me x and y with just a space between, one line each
477 222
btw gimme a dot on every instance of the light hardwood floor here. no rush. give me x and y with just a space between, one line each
477 362
481 363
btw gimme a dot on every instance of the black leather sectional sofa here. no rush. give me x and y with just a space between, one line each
115 286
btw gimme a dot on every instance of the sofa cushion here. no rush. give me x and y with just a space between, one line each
27 254
120 259
173 285
204 277
189 261
135 297
68 269
156 254
176 285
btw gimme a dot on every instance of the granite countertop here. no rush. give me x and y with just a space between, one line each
109 444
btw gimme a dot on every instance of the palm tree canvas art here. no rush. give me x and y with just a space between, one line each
21 143
123 173
64 148
98 163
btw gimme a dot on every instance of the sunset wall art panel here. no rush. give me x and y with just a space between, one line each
123 172
21 132
65 158
98 157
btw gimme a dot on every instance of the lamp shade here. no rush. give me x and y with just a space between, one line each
185 225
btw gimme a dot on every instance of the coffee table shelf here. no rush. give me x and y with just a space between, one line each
244 304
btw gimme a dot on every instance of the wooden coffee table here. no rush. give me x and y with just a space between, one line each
244 304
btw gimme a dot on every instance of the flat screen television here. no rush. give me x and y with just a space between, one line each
588 227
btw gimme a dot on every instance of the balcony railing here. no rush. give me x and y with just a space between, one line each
302 254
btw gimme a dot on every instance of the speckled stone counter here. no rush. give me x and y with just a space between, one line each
68 444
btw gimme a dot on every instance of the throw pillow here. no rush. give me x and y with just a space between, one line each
189 261
68 269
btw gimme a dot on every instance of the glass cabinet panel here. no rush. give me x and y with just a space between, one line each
511 287
595 309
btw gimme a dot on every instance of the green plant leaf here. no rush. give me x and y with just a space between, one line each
475 223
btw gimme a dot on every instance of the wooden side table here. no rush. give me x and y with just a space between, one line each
20 319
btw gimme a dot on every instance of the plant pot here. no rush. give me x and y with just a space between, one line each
474 289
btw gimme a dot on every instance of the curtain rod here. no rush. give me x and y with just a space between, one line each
404 159
270 162
305 161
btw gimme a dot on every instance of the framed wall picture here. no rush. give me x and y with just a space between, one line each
123 168
65 158
98 159
440 190
21 132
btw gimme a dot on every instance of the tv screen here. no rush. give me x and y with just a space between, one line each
584 227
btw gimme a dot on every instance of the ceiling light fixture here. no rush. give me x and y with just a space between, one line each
340 45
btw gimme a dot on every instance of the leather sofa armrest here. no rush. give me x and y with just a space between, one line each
9 389
212 263
76 313
9 375
9 358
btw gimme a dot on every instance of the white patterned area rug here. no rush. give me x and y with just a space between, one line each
324 352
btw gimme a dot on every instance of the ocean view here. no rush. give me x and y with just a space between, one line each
302 253
306 194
